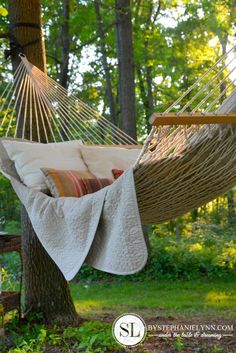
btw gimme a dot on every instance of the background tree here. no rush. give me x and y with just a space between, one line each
106 66
65 41
124 45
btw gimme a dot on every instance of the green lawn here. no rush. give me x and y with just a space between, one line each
190 302
177 298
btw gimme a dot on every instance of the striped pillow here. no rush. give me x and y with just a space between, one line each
72 183
117 173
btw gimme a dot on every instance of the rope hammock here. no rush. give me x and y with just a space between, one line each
188 158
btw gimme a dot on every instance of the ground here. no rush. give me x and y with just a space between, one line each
195 302
164 302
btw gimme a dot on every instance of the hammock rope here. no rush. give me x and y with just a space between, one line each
191 88
62 115
229 71
179 167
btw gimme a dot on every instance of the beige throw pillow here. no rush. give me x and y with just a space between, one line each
101 160
30 157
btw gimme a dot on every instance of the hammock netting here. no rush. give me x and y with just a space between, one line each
179 167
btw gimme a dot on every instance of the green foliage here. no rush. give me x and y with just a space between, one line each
12 227
203 253
93 337
9 208
207 250
172 46
178 344
210 251
3 11
90 337
11 270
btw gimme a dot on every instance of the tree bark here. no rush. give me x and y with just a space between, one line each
223 42
65 40
231 207
46 290
23 11
194 215
110 96
146 87
124 45
150 89
143 94
64 64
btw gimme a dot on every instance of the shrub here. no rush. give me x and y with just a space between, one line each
204 250
199 250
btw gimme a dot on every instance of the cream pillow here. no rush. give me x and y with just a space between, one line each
101 160
29 157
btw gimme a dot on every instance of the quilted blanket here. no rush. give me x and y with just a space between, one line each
102 229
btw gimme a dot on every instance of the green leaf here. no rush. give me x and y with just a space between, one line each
3 11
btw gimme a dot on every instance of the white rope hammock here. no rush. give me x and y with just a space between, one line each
179 168
33 98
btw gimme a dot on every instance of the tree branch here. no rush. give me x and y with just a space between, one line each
93 39
157 11
54 58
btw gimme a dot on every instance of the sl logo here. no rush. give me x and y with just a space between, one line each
129 330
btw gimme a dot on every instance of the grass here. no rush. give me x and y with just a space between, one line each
162 301
177 298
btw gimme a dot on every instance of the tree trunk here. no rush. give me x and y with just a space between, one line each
231 207
150 90
143 94
124 45
223 42
65 40
110 97
46 290
194 215
64 66
146 87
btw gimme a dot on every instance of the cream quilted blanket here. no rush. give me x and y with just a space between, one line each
102 229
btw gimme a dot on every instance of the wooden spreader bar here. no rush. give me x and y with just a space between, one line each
158 119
